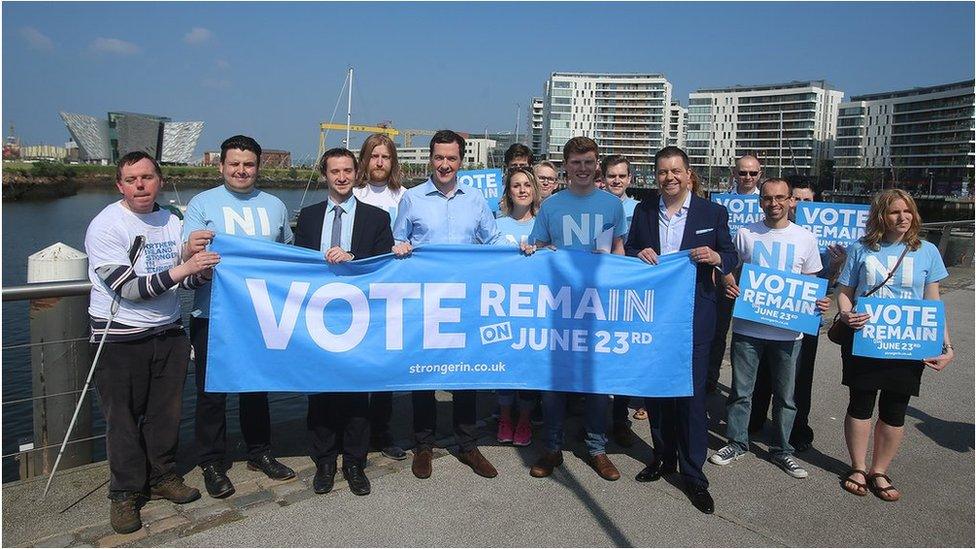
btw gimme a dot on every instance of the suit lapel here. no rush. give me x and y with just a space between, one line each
655 226
358 226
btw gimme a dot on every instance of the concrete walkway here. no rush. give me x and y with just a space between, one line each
756 503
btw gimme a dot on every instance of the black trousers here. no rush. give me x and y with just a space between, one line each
804 385
140 386
337 422
465 418
210 423
679 428
380 413
723 320
619 412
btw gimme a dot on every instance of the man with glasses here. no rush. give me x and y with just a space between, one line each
745 180
548 177
801 437
775 243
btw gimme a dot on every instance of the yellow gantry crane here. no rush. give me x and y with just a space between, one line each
408 135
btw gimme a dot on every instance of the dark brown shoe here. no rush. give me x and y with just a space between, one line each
124 516
478 463
545 465
421 462
604 467
173 489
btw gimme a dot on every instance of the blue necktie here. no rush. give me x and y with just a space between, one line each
337 226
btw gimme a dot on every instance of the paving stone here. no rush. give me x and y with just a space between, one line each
282 490
167 523
252 499
296 496
57 540
213 520
94 532
116 540
158 510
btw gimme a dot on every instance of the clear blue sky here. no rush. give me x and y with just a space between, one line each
273 70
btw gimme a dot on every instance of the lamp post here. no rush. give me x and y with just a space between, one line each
930 182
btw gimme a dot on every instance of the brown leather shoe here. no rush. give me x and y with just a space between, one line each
545 465
478 463
421 462
604 467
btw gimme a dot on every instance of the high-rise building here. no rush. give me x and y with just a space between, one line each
918 137
625 114
676 126
790 127
105 141
538 113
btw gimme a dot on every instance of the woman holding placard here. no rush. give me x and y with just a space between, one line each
890 261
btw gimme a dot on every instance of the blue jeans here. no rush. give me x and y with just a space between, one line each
780 356
594 421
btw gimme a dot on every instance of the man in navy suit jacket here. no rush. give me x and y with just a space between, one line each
343 229
673 220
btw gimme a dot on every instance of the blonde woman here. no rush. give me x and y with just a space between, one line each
891 241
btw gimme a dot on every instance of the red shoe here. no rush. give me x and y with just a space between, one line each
504 429
523 433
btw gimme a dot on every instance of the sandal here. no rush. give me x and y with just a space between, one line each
883 493
862 488
640 414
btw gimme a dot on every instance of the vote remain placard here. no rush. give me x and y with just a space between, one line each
743 209
779 299
833 223
491 183
905 329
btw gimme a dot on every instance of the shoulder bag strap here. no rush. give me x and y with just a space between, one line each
890 273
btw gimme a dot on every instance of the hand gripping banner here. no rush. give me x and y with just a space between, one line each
449 317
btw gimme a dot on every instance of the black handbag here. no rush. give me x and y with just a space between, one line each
839 332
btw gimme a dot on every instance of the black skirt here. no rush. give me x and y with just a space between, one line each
866 373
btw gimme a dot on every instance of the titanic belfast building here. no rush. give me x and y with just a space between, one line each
105 141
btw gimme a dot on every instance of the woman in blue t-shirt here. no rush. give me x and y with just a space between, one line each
893 224
519 204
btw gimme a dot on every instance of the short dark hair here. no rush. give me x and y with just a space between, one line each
669 152
580 145
789 186
517 150
803 184
613 160
133 157
447 136
336 152
240 142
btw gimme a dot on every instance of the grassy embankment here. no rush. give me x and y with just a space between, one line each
51 171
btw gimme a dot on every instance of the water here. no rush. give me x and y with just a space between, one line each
34 225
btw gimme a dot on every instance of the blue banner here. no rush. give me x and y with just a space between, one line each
491 183
833 223
780 299
906 329
743 209
449 317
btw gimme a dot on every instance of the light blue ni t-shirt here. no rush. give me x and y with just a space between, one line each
567 220
256 214
513 233
866 268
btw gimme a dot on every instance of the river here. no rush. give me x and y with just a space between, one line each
30 226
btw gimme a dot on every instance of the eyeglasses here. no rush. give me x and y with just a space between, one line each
546 179
743 173
780 199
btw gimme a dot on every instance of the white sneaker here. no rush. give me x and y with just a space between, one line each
788 464
726 455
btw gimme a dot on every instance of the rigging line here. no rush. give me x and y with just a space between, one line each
75 441
34 344
325 136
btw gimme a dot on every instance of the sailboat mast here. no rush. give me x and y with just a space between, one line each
349 110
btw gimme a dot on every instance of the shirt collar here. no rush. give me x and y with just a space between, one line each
429 188
347 205
684 205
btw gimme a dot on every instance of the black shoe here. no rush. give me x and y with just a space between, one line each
324 478
801 445
655 471
218 485
701 499
271 467
394 452
356 477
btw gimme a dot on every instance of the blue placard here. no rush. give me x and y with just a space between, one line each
491 183
743 209
449 317
780 299
833 223
906 329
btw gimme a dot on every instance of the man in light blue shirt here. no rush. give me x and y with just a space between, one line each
616 172
579 218
442 211
238 208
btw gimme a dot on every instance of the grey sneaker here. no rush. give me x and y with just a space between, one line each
788 464
726 455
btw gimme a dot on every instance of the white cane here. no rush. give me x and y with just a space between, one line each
133 255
